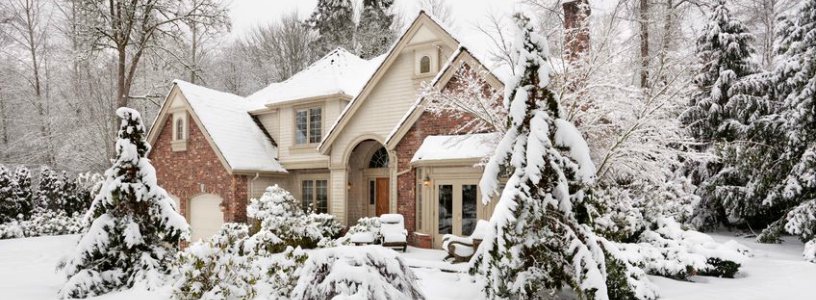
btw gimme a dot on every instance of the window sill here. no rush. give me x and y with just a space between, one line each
178 145
303 147
423 75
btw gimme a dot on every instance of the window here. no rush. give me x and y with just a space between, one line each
308 125
315 195
379 159
179 133
424 64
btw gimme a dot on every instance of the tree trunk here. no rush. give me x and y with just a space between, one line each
643 17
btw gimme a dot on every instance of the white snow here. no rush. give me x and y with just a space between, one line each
339 72
236 135
776 271
448 147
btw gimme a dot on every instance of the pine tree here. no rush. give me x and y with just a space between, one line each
795 86
333 21
541 239
720 119
22 191
49 191
8 201
724 55
72 198
374 34
134 229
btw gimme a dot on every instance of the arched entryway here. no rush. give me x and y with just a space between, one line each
369 187
205 216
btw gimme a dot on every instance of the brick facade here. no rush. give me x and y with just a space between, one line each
427 124
182 173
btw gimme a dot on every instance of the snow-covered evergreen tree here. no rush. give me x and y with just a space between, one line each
724 55
795 79
374 34
8 201
134 228
49 190
73 200
541 239
22 191
333 22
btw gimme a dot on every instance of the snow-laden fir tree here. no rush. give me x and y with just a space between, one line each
540 236
374 33
22 191
795 86
8 201
134 227
72 198
724 55
50 194
719 116
333 23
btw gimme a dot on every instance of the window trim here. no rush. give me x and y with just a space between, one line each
308 110
177 144
313 202
422 60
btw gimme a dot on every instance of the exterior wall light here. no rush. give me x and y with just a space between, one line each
426 181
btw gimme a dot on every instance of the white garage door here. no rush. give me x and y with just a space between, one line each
205 216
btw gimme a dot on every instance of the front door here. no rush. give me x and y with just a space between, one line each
457 209
382 196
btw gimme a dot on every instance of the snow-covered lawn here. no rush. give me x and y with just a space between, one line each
27 271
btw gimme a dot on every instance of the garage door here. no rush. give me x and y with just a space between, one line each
205 216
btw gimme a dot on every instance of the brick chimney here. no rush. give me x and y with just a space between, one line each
576 29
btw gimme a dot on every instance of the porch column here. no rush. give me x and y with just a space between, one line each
338 181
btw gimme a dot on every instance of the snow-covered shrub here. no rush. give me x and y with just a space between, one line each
369 225
281 273
15 195
23 192
284 223
367 272
49 194
43 223
134 229
673 252
8 201
215 268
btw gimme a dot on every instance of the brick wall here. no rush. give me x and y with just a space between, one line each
181 173
427 124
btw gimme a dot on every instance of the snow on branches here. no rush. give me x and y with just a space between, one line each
134 227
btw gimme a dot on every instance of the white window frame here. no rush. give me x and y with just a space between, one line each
308 137
312 202
180 144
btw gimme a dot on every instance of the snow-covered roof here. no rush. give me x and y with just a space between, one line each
236 135
339 72
456 147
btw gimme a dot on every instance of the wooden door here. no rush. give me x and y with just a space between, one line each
382 196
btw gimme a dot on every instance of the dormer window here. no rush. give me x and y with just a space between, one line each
425 64
180 133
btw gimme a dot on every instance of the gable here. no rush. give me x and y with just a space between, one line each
393 87
460 59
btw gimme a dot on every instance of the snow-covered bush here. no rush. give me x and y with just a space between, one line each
215 268
284 223
671 251
23 192
15 195
134 229
43 223
49 194
345 272
281 273
369 225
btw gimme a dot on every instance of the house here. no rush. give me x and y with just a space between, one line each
346 136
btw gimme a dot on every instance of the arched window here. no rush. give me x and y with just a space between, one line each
425 64
179 129
379 159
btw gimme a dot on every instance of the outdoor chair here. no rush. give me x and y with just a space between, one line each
461 249
392 229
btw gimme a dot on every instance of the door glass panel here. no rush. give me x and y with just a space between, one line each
445 209
468 209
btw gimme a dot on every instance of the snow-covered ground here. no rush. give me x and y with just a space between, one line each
27 271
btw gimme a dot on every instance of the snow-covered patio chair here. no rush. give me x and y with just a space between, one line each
392 229
461 249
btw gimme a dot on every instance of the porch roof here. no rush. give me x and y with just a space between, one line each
440 148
